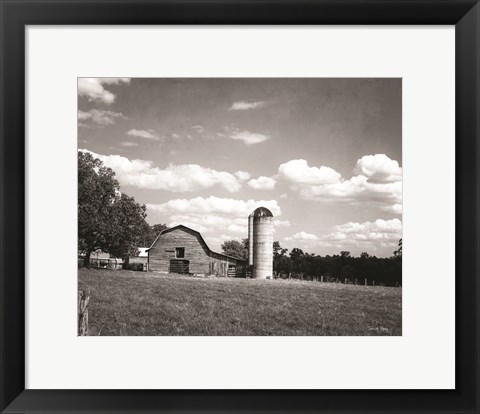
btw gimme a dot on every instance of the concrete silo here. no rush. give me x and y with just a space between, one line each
250 240
262 243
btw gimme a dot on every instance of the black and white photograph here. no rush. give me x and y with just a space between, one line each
239 206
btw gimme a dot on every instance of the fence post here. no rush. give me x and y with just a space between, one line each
321 279
366 283
345 280
374 283
83 299
355 281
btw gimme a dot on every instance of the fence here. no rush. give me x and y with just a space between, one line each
112 264
330 279
138 264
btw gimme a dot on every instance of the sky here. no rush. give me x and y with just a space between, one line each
324 155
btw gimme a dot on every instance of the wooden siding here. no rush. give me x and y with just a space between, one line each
202 260
163 251
222 265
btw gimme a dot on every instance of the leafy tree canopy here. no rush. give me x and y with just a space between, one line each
97 189
235 248
398 253
150 233
278 251
107 219
297 254
127 226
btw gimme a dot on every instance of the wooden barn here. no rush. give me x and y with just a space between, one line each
183 250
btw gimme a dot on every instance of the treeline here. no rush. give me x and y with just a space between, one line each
300 265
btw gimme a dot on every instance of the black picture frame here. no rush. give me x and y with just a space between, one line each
15 15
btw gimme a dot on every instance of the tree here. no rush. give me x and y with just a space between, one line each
297 256
107 219
347 272
235 248
278 251
398 253
246 246
281 262
158 228
150 233
127 226
97 189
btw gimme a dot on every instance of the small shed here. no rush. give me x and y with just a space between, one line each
140 257
183 250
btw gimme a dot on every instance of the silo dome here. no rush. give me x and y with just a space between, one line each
262 212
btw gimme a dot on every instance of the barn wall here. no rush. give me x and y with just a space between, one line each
164 250
201 259
226 266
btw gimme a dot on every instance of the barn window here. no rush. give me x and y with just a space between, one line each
179 252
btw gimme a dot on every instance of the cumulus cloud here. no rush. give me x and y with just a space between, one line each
281 223
262 183
242 105
357 189
83 115
215 205
213 216
242 175
393 209
93 88
100 117
174 178
302 236
198 128
299 172
249 138
387 231
129 144
378 183
371 236
144 133
379 168
113 81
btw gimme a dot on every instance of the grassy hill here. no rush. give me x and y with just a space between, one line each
134 303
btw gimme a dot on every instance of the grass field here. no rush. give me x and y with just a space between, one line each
134 303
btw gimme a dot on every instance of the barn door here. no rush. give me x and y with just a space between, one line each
181 266
232 270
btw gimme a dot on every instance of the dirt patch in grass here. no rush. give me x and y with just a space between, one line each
134 303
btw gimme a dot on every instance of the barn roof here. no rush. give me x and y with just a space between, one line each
199 237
